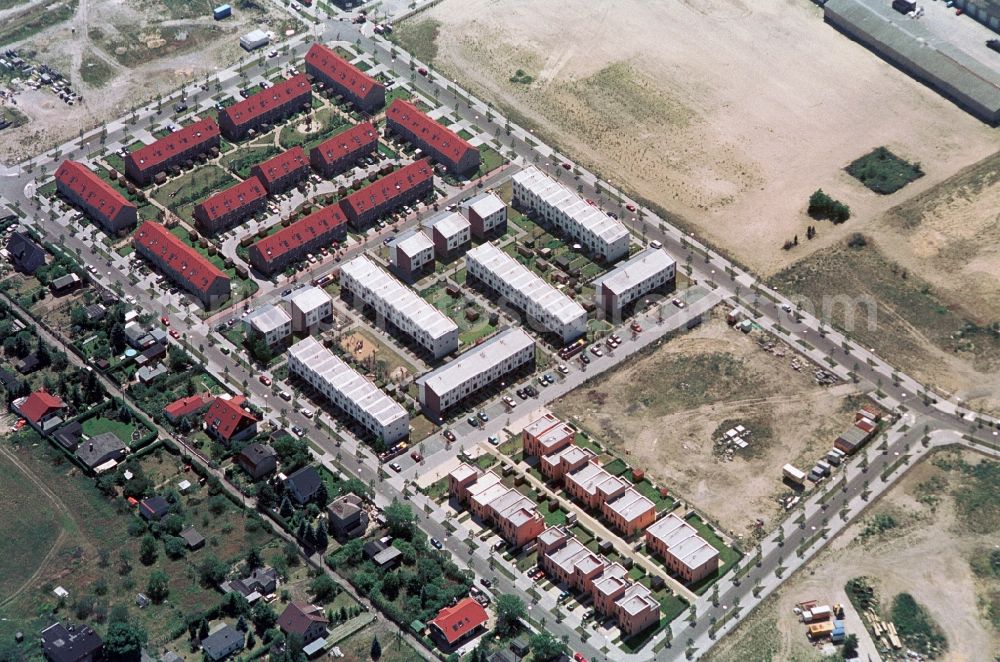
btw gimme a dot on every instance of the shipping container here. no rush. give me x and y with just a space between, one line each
795 475
221 12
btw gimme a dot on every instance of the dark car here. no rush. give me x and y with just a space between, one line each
521 393
449 435
180 108
485 582
473 421
436 543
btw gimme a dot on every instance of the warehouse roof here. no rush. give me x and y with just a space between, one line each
93 190
477 360
347 381
233 198
190 137
525 281
390 187
442 141
400 298
586 216
636 270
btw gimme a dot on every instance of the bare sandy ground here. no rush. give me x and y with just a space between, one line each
729 113
927 556
674 399
180 50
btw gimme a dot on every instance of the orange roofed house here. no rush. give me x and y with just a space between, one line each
457 624
408 184
291 244
228 421
231 206
275 103
182 145
345 79
186 266
447 147
102 203
283 171
335 155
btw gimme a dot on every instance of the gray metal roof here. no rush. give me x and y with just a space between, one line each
477 360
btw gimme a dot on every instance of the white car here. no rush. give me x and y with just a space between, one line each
130 299
596 351
272 53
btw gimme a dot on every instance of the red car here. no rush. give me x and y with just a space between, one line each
416 456
422 71
165 321
265 380
636 327
630 207
567 166
175 334
591 202
579 657
449 435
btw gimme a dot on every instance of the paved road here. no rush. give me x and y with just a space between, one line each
942 416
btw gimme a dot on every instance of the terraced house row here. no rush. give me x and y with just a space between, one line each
306 235
182 264
144 164
98 200
392 302
514 515
333 71
277 102
444 145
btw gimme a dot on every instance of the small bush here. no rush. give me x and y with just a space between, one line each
822 206
915 626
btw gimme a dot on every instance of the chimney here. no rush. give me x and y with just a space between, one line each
91 447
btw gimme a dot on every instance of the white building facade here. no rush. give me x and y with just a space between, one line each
487 215
449 232
308 306
411 253
544 305
344 387
547 200
394 302
269 322
648 270
442 389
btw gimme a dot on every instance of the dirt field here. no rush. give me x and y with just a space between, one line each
688 392
929 554
120 53
728 113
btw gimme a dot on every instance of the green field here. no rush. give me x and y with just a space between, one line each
99 425
27 512
94 71
884 172
419 38
180 194
326 122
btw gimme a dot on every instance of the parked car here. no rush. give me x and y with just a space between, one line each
567 166
417 457
532 391
584 359
636 327
483 416
485 582
678 303
435 543
630 207
422 71
449 435
521 393
308 413
180 107
285 395
265 380
596 351
175 334
164 321
298 431
395 467
563 369
494 440
473 421
510 401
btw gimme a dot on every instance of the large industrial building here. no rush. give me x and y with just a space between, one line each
544 305
479 367
345 79
231 206
447 147
549 201
395 303
344 387
102 203
267 106
174 149
647 271
926 54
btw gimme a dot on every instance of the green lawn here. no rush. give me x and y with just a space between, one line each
884 172
616 467
728 556
99 425
647 489
490 159
556 517
182 193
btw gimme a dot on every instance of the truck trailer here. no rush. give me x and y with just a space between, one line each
794 475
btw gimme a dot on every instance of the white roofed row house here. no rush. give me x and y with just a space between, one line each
686 553
651 270
487 215
467 376
350 391
555 205
545 307
399 307
304 309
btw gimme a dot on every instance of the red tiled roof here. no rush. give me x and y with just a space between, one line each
38 405
189 137
227 417
297 618
341 71
279 166
189 264
91 189
391 186
345 143
240 195
298 233
440 139
458 621
279 94
185 406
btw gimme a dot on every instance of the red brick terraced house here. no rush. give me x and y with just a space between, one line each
183 264
283 171
231 207
408 184
102 203
335 155
143 164
447 147
345 79
686 553
267 106
291 244
228 421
